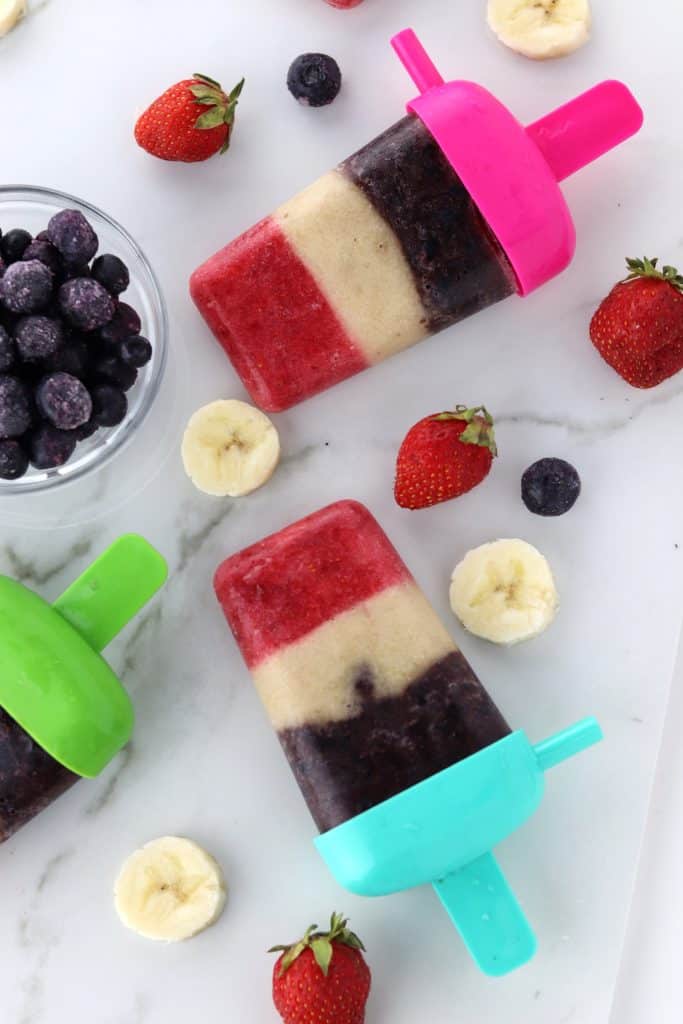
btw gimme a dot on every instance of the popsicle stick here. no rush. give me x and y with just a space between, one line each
486 913
113 590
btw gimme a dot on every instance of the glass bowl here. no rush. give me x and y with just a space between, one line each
31 208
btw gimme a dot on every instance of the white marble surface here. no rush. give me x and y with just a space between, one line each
203 761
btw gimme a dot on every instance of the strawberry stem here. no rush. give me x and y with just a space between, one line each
648 268
320 943
480 426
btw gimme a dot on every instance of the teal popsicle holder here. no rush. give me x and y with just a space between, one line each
442 831
53 681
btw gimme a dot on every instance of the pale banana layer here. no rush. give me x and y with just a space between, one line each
391 640
357 263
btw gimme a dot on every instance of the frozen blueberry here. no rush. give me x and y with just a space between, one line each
110 405
314 79
63 400
85 303
15 409
37 337
550 487
7 351
45 252
109 369
72 357
86 430
13 244
13 460
69 271
26 287
124 324
112 273
50 447
71 233
136 352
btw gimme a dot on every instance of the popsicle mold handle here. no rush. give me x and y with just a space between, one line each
567 743
113 590
485 911
416 60
586 127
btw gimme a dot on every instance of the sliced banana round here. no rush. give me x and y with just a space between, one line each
541 28
504 592
230 448
11 11
169 890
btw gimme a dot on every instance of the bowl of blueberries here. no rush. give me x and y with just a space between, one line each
83 338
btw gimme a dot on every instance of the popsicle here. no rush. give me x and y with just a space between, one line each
63 713
455 207
408 767
363 684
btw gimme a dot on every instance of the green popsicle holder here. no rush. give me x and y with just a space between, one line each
53 681
441 832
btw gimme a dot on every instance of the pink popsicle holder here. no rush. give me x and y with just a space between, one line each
512 172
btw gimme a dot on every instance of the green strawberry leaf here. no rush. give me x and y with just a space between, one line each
322 951
211 119
205 92
648 268
205 78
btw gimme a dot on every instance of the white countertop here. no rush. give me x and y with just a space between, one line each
204 761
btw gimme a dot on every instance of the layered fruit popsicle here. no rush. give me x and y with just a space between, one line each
363 684
29 778
374 256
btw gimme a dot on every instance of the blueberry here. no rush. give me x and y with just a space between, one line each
3 266
15 409
136 352
50 447
71 233
72 357
37 337
71 270
314 79
7 351
45 252
112 273
86 430
550 487
84 303
124 324
13 460
109 369
26 287
63 400
110 405
13 244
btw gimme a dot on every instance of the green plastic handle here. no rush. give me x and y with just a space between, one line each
485 911
113 590
53 682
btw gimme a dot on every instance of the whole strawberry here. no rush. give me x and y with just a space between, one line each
443 456
190 121
638 328
323 978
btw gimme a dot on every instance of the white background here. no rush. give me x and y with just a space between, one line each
204 761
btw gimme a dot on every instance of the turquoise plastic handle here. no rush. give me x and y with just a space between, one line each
485 911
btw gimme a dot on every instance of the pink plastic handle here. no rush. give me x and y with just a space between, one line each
416 60
582 130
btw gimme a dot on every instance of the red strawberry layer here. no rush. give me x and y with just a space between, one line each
287 585
272 319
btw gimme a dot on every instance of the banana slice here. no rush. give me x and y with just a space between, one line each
504 592
170 890
541 28
11 11
230 448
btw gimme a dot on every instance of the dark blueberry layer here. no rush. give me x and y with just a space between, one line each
344 768
458 266
29 778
